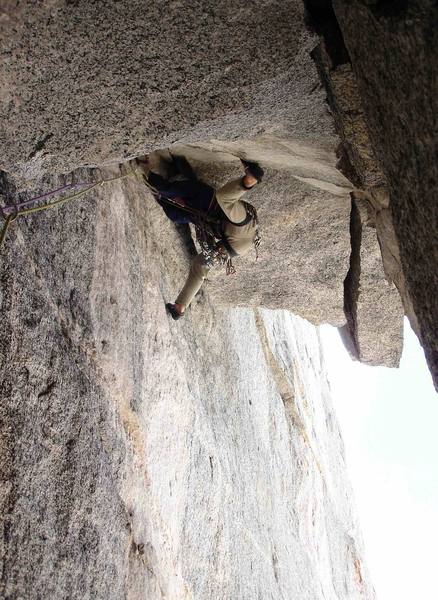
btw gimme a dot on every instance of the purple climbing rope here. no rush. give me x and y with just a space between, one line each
8 210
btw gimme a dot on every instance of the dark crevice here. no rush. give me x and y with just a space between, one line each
343 151
351 286
46 391
386 8
320 18
40 145
330 53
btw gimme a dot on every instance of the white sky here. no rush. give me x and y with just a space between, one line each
389 422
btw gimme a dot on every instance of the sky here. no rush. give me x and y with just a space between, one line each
389 423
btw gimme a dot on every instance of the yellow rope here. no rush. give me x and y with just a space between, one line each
28 211
8 221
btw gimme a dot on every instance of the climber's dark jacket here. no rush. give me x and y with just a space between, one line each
239 237
194 193
237 228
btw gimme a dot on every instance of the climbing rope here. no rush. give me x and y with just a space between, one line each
9 209
200 215
11 213
205 234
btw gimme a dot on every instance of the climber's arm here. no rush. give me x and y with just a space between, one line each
228 197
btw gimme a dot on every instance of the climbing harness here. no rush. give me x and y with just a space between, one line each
215 248
210 235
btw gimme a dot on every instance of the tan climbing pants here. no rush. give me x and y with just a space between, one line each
228 198
198 272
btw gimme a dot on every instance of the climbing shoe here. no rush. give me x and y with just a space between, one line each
171 309
253 168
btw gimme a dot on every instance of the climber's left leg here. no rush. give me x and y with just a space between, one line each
198 272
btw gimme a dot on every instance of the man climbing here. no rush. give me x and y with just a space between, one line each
226 225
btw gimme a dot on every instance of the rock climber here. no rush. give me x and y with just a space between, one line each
226 225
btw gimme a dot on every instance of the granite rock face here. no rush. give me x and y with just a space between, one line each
401 107
146 458
93 83
374 329
201 459
229 80
373 332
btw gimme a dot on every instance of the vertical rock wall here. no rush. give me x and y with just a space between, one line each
400 102
93 83
143 458
146 458
374 329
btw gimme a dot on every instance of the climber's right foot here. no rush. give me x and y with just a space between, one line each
176 311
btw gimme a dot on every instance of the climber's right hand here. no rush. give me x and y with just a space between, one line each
253 169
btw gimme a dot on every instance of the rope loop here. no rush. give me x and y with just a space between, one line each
15 214
8 221
21 210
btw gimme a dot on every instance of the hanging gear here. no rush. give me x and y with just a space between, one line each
206 215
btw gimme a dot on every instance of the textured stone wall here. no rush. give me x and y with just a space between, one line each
94 82
146 458
401 107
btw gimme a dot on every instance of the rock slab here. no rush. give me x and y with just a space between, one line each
397 77
374 310
146 458
94 83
